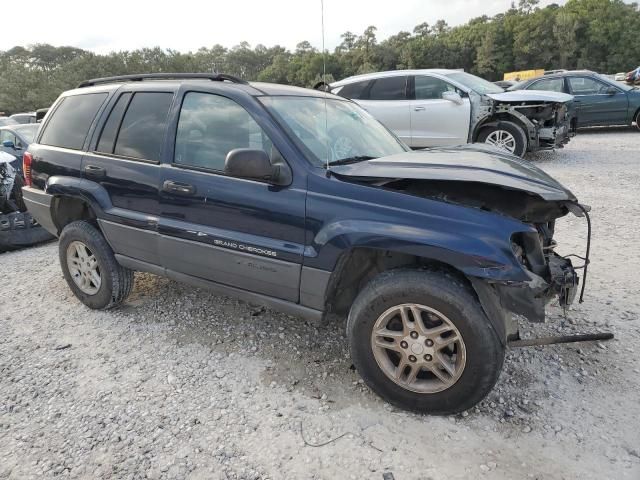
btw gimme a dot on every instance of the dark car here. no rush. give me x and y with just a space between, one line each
15 139
300 200
505 83
600 101
17 227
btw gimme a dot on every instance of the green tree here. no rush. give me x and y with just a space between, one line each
597 34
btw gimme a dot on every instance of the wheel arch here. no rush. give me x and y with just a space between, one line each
76 199
495 120
359 265
635 118
66 209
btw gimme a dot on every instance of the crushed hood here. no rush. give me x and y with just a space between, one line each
473 163
530 96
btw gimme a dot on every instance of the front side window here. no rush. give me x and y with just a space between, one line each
6 135
28 132
431 88
586 86
548 84
143 127
210 126
389 88
71 120
477 84
331 130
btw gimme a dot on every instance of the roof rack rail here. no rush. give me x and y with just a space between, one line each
217 77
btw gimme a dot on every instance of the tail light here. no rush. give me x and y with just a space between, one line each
27 158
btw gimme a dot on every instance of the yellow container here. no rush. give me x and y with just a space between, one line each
523 75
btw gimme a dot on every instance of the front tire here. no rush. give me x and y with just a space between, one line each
637 120
90 267
507 136
421 340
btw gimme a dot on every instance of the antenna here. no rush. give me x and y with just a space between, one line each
324 86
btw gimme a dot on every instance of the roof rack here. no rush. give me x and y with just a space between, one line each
216 77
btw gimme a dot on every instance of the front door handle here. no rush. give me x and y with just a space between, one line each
178 188
419 109
94 171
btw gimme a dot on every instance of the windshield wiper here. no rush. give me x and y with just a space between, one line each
354 159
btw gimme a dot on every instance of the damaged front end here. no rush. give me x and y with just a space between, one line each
548 118
492 181
550 275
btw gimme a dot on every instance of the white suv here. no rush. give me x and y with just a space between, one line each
428 108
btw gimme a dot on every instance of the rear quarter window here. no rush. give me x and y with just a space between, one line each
354 90
71 120
389 88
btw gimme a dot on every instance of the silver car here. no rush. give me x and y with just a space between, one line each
438 107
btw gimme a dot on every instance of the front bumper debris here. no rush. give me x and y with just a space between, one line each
530 298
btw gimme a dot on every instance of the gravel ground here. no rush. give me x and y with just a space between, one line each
179 383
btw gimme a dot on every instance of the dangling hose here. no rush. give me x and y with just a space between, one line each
586 255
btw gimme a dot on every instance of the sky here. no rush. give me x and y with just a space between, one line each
190 24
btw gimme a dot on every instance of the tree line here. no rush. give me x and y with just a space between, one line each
601 35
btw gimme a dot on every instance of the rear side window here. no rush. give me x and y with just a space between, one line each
110 130
548 84
389 88
71 120
143 127
210 126
354 90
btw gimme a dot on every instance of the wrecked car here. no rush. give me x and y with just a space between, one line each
600 101
17 228
301 201
438 107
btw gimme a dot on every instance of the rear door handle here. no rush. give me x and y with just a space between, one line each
94 171
419 109
178 188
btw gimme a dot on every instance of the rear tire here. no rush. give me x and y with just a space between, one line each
90 267
439 301
506 135
637 119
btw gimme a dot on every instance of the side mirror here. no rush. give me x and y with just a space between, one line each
611 91
250 163
452 97
8 144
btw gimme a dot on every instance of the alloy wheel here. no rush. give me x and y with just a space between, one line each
418 348
83 268
502 139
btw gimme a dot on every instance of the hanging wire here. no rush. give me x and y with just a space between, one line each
586 255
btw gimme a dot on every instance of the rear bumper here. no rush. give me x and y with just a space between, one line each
39 205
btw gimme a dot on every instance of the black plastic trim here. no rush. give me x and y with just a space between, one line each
309 314
39 205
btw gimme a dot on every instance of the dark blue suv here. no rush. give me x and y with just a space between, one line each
300 200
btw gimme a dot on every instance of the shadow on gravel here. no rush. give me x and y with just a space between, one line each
311 359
